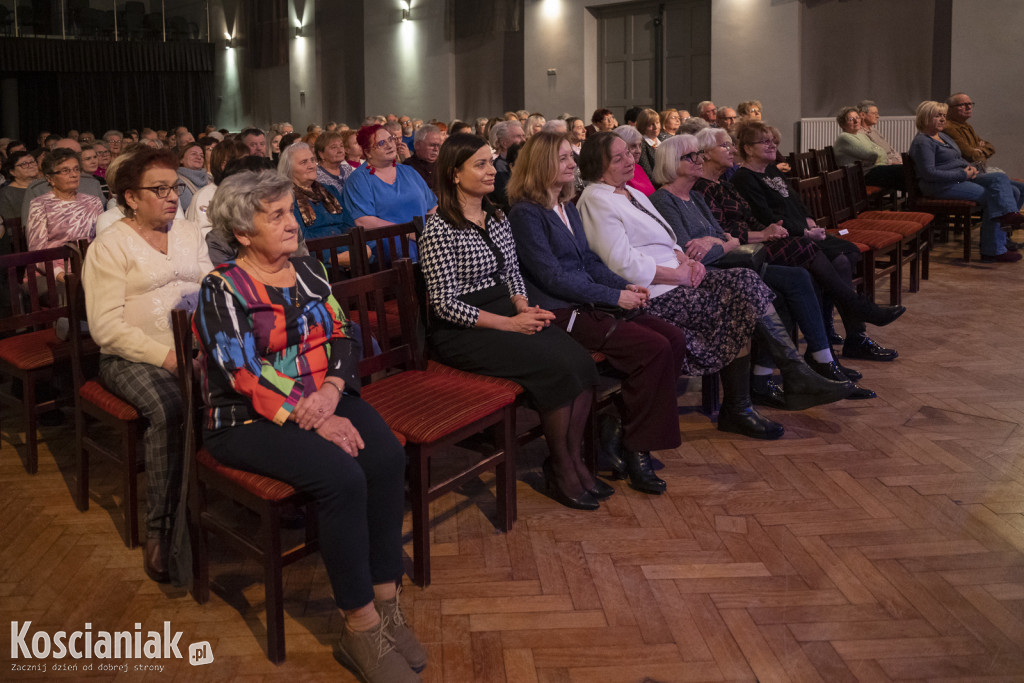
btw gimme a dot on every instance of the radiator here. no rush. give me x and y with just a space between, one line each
818 133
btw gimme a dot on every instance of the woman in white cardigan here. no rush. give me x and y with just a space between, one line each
136 272
719 310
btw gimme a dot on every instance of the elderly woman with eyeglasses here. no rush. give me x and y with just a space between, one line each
317 207
281 385
63 214
853 145
136 272
718 310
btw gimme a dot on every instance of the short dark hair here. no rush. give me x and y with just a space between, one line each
327 138
454 152
59 155
247 163
632 114
129 173
288 140
595 154
748 133
250 131
223 154
8 168
599 115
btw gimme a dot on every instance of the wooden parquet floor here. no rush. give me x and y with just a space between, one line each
878 540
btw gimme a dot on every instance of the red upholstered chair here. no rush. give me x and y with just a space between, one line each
844 217
951 215
267 498
859 201
93 403
31 356
885 256
432 410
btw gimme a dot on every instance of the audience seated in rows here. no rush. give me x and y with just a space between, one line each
853 144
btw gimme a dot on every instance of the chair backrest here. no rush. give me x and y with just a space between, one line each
825 158
30 307
910 180
364 300
812 194
857 186
181 331
340 265
387 243
19 242
802 164
837 194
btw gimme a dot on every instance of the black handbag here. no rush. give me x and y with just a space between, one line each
751 256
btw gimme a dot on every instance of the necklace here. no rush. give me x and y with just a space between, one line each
693 213
155 238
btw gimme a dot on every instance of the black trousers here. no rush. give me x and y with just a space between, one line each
360 501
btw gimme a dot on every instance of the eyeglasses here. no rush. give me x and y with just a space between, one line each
162 191
385 142
694 157
26 164
964 104
67 171
754 111
767 142
724 145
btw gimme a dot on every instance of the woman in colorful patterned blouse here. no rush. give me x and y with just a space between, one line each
282 396
482 321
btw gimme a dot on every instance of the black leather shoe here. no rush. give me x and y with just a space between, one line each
748 422
584 501
767 392
831 370
609 447
601 490
835 339
641 474
883 315
850 373
154 559
864 348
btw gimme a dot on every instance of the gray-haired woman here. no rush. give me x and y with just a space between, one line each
282 400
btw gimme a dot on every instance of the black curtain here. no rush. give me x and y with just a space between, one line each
98 102
97 85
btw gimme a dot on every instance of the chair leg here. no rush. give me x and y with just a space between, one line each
710 400
131 488
81 463
896 277
419 484
29 415
271 532
505 475
200 543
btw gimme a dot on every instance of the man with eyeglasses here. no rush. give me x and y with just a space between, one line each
427 143
113 138
974 149
87 185
726 119
408 131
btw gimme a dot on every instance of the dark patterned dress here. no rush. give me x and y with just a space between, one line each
733 213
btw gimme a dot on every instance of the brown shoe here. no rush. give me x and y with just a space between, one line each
371 655
154 560
401 635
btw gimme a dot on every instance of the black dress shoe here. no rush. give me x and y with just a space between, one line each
850 373
832 370
641 474
767 392
835 339
883 315
154 559
584 501
864 348
748 422
600 490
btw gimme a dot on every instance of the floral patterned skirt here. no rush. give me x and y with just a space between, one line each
718 316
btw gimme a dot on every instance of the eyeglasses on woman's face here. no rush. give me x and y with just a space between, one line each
382 144
67 171
28 163
767 142
694 157
162 191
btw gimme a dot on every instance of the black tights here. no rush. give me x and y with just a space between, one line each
563 430
835 278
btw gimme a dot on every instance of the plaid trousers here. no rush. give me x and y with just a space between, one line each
156 395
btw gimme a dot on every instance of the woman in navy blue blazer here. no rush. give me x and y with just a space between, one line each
601 310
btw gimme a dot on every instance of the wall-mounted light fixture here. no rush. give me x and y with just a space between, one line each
230 42
298 30
407 10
